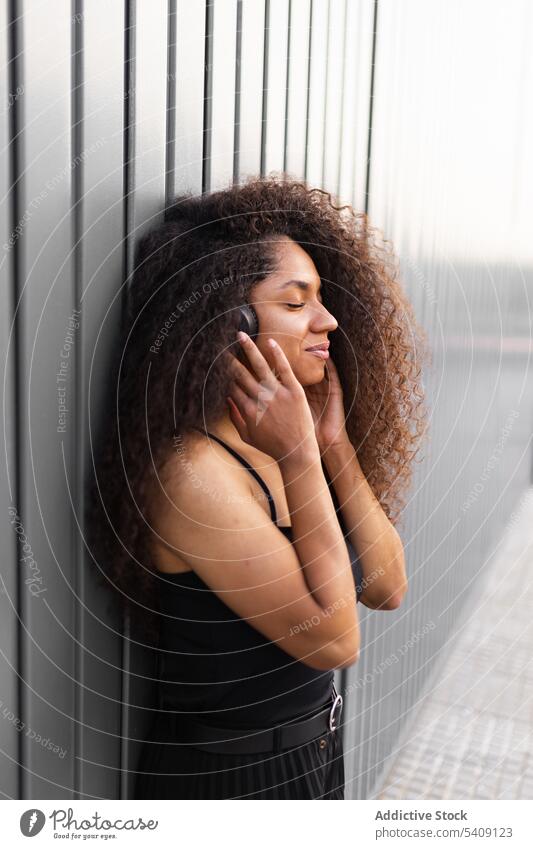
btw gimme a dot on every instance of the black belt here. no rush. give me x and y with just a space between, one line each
251 741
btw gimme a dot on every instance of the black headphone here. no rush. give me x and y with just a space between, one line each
249 322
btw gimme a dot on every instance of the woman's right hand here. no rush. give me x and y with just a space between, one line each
270 411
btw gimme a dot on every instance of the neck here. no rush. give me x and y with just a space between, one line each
226 430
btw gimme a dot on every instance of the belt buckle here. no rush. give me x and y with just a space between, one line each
337 703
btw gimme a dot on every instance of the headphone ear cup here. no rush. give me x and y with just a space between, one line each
249 323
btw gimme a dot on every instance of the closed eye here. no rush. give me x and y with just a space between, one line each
299 306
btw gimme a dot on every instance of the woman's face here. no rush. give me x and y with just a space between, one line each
289 307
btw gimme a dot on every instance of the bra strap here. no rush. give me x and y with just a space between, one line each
259 479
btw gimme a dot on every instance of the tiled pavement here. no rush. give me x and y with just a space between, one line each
473 736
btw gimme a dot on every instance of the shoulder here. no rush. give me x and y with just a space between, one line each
203 477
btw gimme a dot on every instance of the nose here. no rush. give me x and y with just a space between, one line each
323 320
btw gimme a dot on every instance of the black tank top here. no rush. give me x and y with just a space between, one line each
215 667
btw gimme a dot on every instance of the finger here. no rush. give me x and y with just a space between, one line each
241 376
256 359
332 373
331 367
244 377
244 403
282 365
247 382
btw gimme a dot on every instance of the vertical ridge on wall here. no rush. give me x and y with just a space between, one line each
221 93
170 158
10 575
47 425
238 83
249 93
297 88
317 92
129 134
353 155
104 207
187 99
146 176
77 110
208 97
264 88
129 253
16 215
371 106
275 85
334 96
352 180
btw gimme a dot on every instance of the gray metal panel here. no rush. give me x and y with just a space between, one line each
148 130
186 101
345 171
334 95
250 89
222 94
48 378
360 702
317 93
275 93
101 280
353 162
9 704
146 185
298 87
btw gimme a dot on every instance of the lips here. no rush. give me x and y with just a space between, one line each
323 346
321 353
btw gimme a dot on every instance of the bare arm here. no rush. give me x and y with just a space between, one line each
374 538
226 537
320 545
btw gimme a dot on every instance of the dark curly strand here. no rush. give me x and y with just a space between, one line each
191 274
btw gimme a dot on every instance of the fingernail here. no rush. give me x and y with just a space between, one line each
241 336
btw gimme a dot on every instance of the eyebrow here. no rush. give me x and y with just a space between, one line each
302 284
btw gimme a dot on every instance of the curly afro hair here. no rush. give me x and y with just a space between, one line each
191 274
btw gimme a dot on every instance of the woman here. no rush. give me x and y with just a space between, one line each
263 481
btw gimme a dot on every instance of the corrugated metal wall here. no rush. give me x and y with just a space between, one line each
111 108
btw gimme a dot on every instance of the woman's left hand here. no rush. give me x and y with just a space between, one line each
325 400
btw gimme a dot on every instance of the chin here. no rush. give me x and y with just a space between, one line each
310 376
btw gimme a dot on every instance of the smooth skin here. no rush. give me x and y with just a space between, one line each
281 414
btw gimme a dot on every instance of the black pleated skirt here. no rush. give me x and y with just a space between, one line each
170 771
